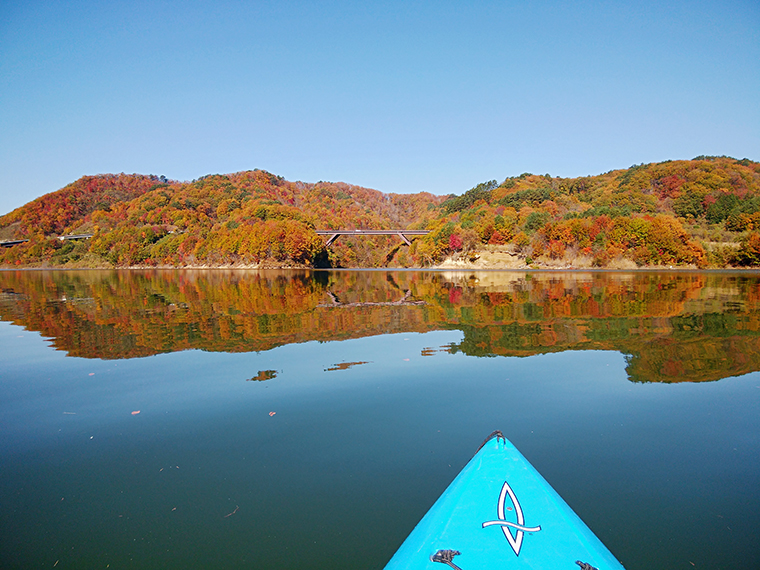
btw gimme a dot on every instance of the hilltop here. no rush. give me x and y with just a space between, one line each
703 212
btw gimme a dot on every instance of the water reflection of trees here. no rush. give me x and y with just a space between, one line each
672 326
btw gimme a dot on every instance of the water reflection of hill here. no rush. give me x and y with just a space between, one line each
673 326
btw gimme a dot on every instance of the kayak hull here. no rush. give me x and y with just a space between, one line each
501 513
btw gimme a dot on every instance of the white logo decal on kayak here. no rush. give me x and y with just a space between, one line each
515 541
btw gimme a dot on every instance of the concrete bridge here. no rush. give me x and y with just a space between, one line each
75 236
334 234
12 242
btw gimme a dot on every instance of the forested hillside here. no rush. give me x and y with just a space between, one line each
246 218
703 212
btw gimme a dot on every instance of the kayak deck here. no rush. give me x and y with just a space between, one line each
500 512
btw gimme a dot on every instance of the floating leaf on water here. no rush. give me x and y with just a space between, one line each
345 365
263 375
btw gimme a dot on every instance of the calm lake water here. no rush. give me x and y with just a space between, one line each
242 419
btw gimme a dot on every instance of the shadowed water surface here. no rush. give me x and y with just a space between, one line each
226 419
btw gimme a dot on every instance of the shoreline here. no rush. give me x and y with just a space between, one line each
458 268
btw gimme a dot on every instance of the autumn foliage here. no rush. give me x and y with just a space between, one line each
244 219
703 213
698 213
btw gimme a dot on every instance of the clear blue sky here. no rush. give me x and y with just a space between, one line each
401 96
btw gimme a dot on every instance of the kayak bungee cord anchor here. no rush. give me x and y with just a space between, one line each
446 557
494 434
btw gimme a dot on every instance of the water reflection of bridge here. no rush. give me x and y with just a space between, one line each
406 300
334 234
